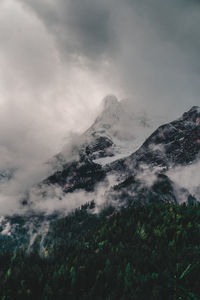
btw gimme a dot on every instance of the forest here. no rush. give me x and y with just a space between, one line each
147 251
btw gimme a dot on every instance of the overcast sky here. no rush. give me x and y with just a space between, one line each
58 59
147 50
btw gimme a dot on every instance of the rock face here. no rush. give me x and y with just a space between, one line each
179 139
77 175
145 172
143 175
115 133
172 144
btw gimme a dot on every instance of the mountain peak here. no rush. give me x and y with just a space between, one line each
110 101
195 108
192 115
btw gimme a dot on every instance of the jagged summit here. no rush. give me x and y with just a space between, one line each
120 128
141 173
195 108
110 101
172 144
192 115
119 120
117 132
110 120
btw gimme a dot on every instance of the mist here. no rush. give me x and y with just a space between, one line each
59 59
187 177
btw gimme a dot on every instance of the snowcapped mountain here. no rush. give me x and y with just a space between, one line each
171 144
122 130
117 132
144 173
150 172
117 161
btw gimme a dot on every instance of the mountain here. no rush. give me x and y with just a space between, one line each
118 161
118 131
111 207
176 143
143 174
172 145
115 133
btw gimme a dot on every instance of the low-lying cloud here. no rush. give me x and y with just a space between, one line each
187 177
58 59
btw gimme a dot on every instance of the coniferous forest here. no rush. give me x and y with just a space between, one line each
139 252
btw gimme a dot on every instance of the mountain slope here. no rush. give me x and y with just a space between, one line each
143 175
171 144
176 144
116 133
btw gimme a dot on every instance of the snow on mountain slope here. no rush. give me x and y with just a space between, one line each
164 166
119 120
115 145
139 176
120 128
117 132
172 144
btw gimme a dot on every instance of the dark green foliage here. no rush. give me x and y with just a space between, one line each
141 252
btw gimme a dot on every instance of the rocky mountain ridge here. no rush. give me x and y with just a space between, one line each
174 144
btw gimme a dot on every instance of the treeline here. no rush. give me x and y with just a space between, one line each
141 252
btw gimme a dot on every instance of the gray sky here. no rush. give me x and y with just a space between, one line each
147 50
58 59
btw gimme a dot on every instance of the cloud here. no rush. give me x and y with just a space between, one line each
47 199
58 59
187 177
151 47
42 97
